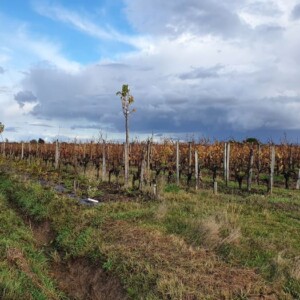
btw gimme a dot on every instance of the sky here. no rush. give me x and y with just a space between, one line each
197 68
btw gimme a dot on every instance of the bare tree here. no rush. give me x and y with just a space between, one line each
126 100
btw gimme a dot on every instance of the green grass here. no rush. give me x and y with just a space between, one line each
24 273
149 244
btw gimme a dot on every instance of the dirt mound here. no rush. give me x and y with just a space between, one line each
82 280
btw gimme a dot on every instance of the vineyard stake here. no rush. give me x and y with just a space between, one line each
215 187
272 166
148 160
190 157
258 163
155 190
177 163
103 161
196 170
22 151
143 165
298 181
56 155
227 163
250 170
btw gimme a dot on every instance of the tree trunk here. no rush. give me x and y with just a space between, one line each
126 156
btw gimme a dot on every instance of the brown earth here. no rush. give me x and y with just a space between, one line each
82 280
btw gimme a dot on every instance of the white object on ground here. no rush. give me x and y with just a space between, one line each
92 200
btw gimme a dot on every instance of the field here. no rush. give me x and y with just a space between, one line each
175 243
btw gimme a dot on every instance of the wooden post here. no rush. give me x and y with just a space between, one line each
196 170
56 154
22 151
143 166
298 181
177 163
155 190
148 161
272 166
190 157
258 163
227 163
215 187
250 170
103 161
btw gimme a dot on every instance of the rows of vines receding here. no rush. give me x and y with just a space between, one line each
160 160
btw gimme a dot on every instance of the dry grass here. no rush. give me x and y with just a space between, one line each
295 272
217 230
161 211
179 271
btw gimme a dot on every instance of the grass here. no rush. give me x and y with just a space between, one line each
186 246
24 271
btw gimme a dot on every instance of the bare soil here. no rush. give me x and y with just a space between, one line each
81 280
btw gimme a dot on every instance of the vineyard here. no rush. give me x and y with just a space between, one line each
191 165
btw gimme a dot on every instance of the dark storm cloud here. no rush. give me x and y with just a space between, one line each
88 100
72 99
296 12
23 97
88 95
179 16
